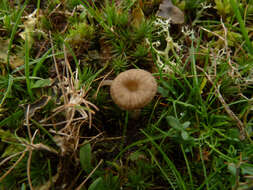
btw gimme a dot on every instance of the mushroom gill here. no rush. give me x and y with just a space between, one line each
133 89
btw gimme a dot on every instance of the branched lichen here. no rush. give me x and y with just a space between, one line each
171 46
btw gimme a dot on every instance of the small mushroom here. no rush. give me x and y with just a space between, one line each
133 89
169 11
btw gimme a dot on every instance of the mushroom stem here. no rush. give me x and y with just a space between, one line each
135 114
124 131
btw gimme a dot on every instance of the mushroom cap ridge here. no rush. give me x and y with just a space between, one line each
133 89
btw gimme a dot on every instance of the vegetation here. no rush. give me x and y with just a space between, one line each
60 129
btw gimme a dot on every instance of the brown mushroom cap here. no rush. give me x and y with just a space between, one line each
133 89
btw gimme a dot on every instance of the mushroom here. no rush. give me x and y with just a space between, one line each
133 89
169 11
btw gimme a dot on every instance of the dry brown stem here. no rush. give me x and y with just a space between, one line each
102 83
91 173
57 70
226 106
10 157
13 166
28 169
92 138
227 49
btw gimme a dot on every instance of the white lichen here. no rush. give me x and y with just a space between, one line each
162 56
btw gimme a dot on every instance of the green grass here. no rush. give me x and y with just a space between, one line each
243 29
13 32
196 134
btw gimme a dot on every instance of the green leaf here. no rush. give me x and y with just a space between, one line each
41 83
97 184
85 157
169 88
184 135
174 122
186 124
163 91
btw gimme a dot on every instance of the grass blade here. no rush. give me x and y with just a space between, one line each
10 83
27 74
170 164
162 170
188 166
242 26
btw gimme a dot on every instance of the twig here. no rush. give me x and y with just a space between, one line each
42 47
77 138
57 70
226 47
30 150
13 166
89 113
10 157
60 123
215 63
92 138
28 169
55 9
102 83
27 122
212 33
68 68
226 107
71 15
91 173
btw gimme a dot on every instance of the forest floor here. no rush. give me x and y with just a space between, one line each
61 129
